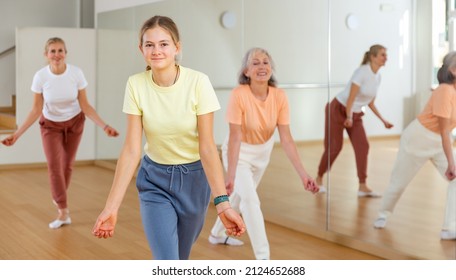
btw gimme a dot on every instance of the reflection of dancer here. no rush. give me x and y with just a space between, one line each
255 109
345 113
174 106
61 101
428 137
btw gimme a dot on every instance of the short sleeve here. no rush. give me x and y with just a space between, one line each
358 76
131 104
37 84
283 116
81 80
234 111
207 101
442 107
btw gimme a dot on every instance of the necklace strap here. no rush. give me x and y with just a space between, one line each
175 77
177 73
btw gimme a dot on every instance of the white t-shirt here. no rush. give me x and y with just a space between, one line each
368 83
60 92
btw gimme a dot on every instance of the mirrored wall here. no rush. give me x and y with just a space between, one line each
316 46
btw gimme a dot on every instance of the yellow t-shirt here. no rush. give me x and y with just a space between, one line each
169 114
442 103
258 119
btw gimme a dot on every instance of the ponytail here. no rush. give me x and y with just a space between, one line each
366 58
373 51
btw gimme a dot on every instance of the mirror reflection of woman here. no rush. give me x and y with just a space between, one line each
428 137
345 113
60 102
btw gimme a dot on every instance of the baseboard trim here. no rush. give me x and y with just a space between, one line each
40 165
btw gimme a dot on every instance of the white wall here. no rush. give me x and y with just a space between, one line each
24 13
423 56
81 46
110 5
7 78
114 67
392 29
275 32
296 34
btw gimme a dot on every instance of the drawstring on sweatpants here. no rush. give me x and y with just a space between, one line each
183 170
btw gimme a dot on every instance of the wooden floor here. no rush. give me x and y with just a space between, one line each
26 209
412 232
299 225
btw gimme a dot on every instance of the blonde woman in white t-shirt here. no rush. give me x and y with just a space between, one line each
345 113
60 101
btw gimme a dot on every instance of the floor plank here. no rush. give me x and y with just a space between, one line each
26 208
414 229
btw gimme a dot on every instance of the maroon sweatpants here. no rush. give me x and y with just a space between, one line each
335 139
60 143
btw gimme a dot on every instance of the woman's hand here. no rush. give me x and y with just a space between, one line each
105 224
348 122
311 186
450 173
388 124
10 140
111 131
229 185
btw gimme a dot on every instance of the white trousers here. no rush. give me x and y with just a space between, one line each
417 146
253 160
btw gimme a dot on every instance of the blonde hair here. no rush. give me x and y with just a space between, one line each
54 40
164 22
373 51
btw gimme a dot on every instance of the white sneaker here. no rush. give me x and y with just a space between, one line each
58 223
447 235
380 222
226 240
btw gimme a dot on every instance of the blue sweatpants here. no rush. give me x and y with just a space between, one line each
173 204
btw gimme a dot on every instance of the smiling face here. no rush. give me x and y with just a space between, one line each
158 48
259 68
56 54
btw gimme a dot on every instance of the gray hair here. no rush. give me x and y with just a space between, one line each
243 79
444 74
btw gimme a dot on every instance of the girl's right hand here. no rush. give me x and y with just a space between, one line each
105 224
